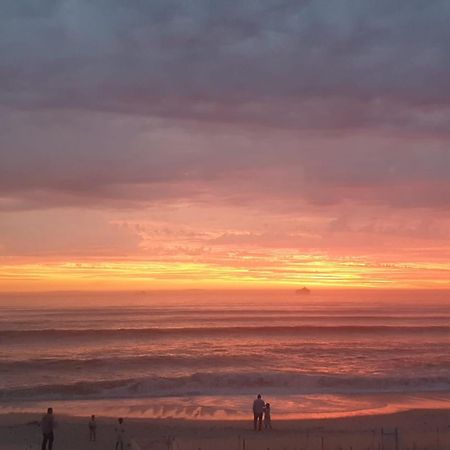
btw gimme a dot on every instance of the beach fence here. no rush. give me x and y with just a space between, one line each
429 438
425 438
389 440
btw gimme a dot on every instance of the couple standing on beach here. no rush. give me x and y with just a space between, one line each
260 408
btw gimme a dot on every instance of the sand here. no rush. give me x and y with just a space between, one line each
412 430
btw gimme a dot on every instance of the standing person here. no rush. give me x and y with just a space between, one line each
258 410
47 425
120 433
92 428
267 418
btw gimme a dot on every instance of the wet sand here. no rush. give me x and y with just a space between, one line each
412 430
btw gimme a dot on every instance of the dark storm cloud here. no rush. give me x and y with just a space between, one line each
303 64
116 102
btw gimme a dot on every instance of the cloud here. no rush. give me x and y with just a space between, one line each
307 65
279 125
101 160
50 234
119 104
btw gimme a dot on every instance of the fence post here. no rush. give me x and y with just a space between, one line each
396 438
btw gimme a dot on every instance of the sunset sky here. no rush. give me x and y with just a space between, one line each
181 144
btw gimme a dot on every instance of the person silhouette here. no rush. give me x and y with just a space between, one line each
120 433
92 428
47 425
267 417
258 410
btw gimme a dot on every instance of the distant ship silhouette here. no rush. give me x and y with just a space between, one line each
303 291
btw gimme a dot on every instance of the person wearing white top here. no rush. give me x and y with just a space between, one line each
267 417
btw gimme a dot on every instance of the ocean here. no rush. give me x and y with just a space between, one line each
205 355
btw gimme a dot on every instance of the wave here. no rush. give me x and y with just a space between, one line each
126 362
55 333
234 383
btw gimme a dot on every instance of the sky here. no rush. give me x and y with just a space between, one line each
203 144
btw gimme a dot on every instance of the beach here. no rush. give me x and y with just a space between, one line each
416 429
214 213
184 370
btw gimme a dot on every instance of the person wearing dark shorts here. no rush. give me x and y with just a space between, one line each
47 425
258 410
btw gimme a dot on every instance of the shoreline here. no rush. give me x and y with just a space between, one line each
235 408
418 428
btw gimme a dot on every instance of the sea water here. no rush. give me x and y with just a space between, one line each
204 354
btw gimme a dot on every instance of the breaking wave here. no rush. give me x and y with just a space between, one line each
227 383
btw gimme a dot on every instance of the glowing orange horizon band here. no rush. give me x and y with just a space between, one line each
315 271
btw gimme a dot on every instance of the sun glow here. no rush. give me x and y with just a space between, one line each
275 270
